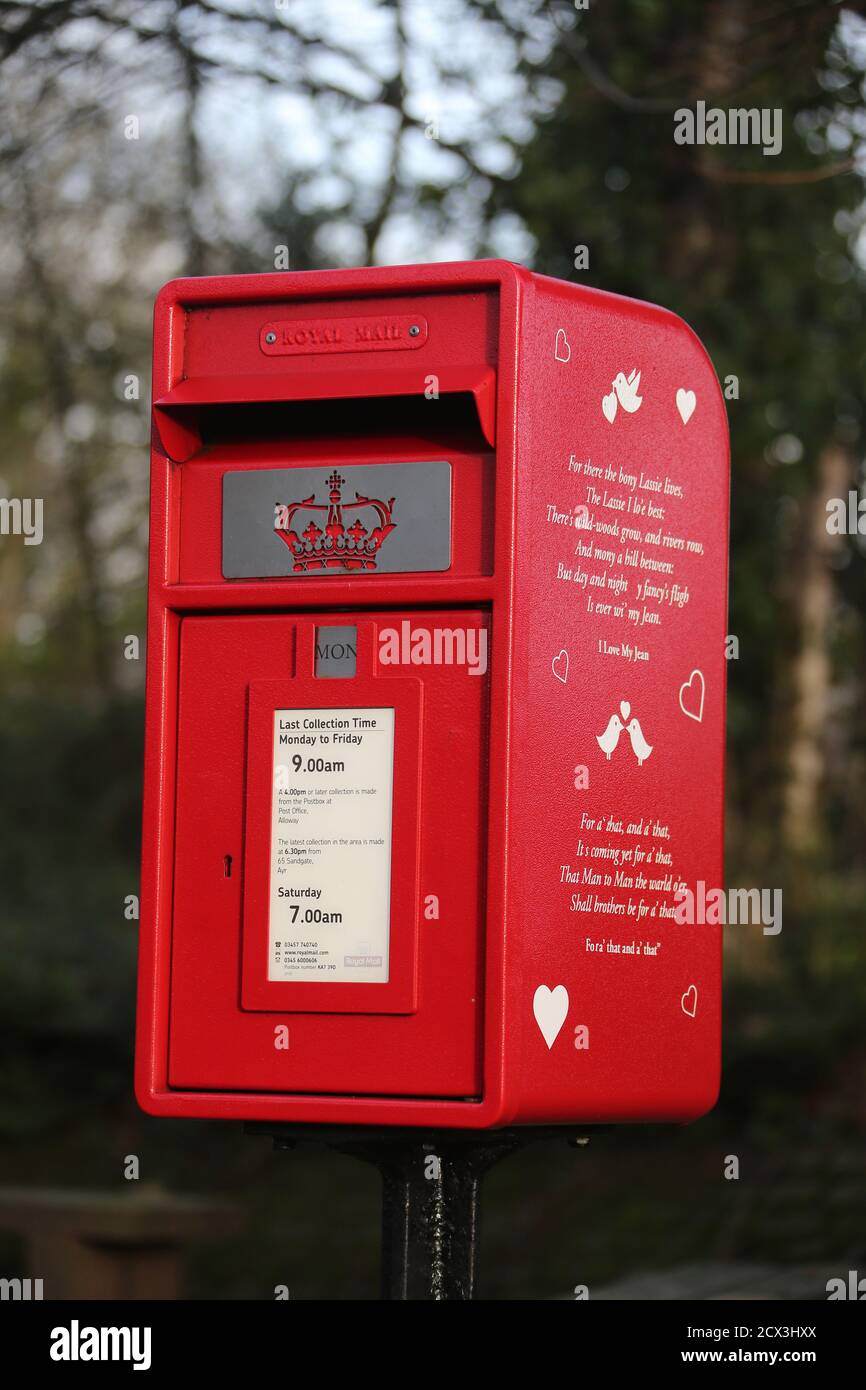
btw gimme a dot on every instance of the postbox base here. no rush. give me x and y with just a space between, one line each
431 1186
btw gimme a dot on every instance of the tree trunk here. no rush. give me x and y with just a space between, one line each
811 675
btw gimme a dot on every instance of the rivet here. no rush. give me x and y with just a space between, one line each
414 330
270 337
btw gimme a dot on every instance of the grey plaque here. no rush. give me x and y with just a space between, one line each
336 651
378 518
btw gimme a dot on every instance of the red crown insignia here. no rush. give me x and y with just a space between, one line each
334 546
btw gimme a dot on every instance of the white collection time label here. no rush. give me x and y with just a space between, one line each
330 889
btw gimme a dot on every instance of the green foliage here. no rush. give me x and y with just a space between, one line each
69 820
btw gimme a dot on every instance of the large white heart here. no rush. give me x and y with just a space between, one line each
686 402
608 405
550 1007
625 710
692 696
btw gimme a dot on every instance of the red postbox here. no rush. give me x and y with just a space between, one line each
435 702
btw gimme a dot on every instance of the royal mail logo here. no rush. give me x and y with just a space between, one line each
334 545
300 337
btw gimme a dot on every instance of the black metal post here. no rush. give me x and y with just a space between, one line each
431 1182
430 1214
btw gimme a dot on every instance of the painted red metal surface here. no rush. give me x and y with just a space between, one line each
525 1005
343 1037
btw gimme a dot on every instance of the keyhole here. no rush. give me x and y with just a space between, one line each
227 866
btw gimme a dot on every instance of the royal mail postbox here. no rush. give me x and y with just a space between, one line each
435 702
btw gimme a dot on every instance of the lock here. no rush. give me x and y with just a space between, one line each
435 702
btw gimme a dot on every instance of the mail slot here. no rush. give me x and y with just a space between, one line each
435 702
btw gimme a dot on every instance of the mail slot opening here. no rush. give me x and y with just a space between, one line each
451 420
256 408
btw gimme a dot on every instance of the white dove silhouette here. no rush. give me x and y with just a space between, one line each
627 390
610 738
639 745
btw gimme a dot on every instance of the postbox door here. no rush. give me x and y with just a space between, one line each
329 858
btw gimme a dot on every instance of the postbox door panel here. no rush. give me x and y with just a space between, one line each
329 859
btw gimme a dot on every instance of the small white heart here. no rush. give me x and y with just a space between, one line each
608 405
559 666
689 1001
695 697
550 1007
562 348
686 402
625 710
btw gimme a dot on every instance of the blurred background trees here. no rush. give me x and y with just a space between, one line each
143 141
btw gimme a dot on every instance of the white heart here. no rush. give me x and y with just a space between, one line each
686 402
559 666
690 998
608 405
625 710
550 1007
685 688
562 347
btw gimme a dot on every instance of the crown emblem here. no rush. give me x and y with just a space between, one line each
334 545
